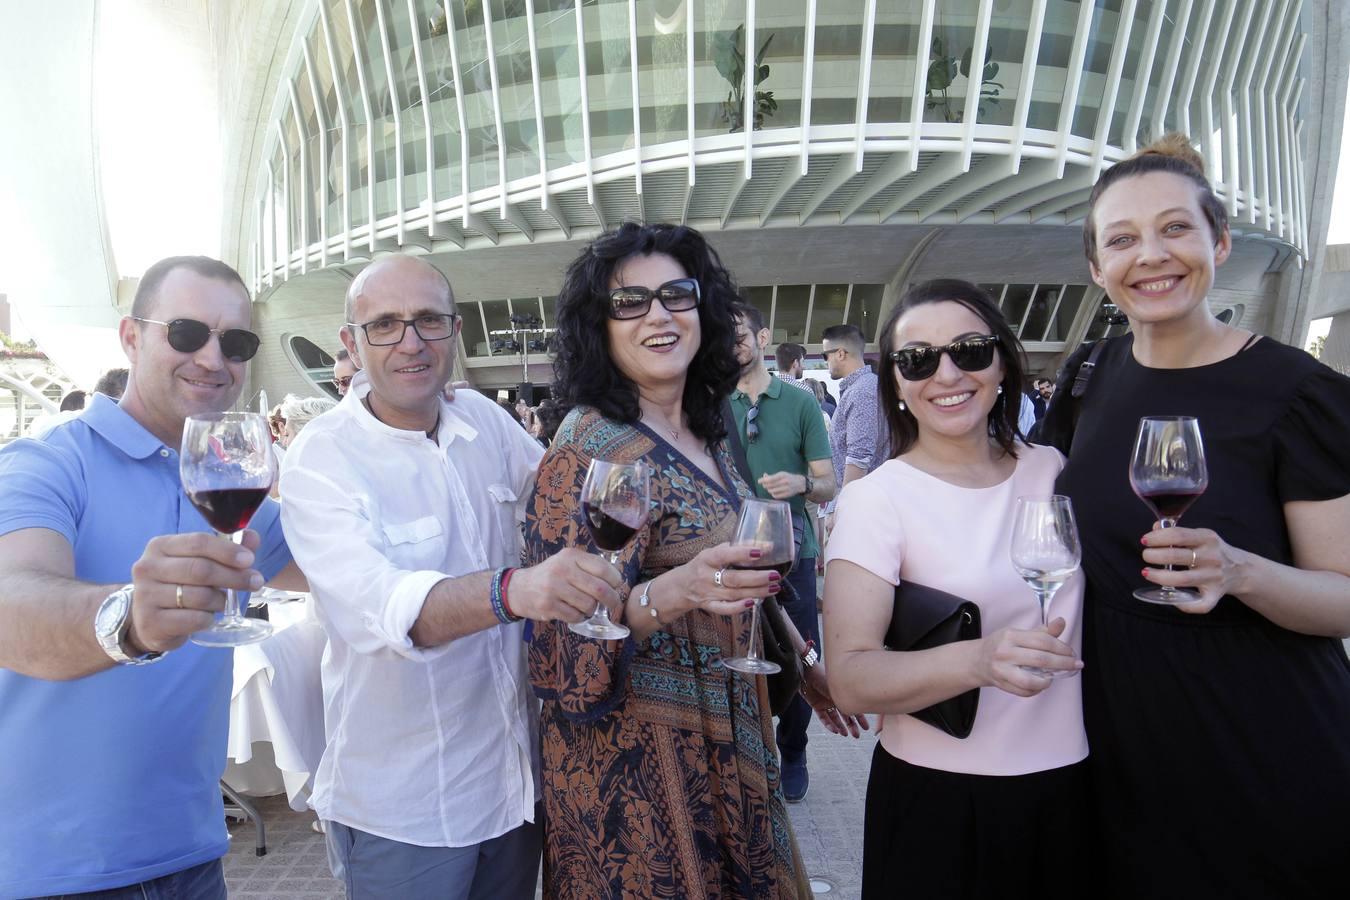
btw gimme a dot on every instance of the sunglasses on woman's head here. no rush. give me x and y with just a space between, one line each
189 336
634 302
970 355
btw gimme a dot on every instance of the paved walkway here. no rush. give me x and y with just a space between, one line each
828 825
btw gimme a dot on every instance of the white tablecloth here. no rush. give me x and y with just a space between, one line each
276 711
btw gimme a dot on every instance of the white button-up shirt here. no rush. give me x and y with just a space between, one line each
436 747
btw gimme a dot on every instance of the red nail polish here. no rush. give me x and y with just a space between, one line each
749 603
774 578
1144 572
756 554
1144 540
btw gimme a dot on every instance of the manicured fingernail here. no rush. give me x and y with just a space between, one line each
1144 540
255 581
1078 664
774 578
773 589
756 554
749 603
1144 572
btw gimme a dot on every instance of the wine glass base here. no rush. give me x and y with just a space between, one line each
603 631
233 633
1166 596
1050 673
748 666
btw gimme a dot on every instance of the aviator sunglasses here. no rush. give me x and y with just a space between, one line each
189 336
970 355
634 302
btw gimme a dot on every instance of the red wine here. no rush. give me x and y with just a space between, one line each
1169 504
608 532
782 568
228 510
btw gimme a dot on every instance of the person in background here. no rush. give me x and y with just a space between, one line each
856 438
112 726
344 369
788 452
550 416
652 750
297 412
788 358
112 383
1218 726
1002 812
73 402
1037 396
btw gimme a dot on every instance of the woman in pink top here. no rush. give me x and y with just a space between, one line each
1001 812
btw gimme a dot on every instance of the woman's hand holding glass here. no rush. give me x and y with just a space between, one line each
1007 658
1194 558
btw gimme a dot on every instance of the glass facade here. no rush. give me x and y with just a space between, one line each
517 93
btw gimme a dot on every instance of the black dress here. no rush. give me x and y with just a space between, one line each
1220 743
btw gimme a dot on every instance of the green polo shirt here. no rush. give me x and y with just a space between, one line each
791 434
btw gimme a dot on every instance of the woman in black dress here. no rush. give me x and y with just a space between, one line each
1219 729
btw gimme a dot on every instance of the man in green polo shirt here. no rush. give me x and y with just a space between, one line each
783 432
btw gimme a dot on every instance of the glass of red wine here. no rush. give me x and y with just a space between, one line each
1168 473
227 466
614 505
767 526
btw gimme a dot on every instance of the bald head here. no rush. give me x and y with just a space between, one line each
402 272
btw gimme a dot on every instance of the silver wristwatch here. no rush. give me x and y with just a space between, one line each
111 623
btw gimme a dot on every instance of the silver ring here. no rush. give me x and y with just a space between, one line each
717 576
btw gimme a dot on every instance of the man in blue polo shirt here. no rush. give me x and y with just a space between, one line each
112 727
788 451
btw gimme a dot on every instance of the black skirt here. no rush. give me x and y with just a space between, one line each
936 835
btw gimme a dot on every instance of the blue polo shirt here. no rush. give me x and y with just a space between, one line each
111 779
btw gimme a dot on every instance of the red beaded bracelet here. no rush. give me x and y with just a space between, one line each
506 605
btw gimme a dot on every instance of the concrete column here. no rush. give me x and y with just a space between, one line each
1336 352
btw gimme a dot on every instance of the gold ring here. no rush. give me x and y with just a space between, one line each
178 597
1194 557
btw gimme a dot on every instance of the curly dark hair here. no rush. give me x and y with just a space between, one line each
904 428
584 373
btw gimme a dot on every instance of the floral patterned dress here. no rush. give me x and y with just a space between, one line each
660 777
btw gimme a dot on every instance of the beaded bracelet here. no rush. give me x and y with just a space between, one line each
499 608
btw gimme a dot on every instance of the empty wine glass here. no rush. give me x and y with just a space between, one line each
1168 473
767 526
227 466
1045 552
614 505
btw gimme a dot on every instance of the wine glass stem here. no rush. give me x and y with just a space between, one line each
1043 597
1168 523
231 598
601 614
754 631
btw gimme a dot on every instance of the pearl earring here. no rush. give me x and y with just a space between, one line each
1000 388
902 406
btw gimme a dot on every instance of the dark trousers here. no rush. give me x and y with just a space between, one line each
201 882
800 605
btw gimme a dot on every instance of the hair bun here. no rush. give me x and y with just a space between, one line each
1176 145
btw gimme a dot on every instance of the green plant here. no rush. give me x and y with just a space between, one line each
729 57
943 70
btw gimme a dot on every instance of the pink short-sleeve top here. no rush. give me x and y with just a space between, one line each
899 522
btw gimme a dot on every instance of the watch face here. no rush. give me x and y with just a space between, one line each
112 613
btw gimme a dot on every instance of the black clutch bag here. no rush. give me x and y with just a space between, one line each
926 617
777 643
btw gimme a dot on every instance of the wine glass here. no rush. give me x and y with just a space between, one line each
614 504
1168 473
1045 552
227 467
766 525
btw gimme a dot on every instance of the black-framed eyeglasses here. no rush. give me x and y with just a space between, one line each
751 425
387 331
634 302
970 355
825 354
344 382
189 336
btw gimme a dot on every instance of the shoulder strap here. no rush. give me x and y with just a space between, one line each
1080 381
734 442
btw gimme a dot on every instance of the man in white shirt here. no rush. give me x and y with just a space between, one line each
405 507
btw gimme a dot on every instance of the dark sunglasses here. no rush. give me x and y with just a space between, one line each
634 302
752 426
189 336
825 354
343 382
971 355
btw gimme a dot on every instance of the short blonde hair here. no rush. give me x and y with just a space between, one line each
298 411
